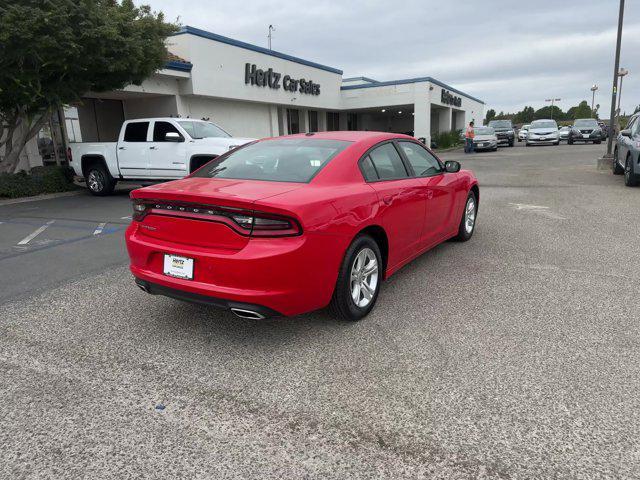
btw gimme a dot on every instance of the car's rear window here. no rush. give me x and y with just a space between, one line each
283 160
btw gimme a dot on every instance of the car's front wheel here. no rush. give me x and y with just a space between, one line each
617 169
630 178
358 281
468 221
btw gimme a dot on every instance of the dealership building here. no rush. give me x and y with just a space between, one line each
252 91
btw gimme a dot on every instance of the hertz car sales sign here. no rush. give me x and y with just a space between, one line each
268 78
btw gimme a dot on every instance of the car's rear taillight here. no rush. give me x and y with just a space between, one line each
245 222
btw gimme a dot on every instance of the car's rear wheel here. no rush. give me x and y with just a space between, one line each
570 141
630 178
358 281
617 169
468 221
99 180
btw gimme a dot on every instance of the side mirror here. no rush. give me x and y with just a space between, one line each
173 137
625 133
451 166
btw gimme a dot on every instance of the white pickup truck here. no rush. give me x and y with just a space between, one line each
148 150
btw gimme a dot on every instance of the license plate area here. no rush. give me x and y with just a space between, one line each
178 267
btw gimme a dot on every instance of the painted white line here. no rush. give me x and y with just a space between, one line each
126 218
33 235
99 228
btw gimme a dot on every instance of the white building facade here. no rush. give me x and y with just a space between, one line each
251 91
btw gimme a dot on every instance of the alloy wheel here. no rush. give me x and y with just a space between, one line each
95 180
470 215
364 277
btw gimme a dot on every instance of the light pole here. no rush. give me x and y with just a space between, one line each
621 73
271 29
607 159
593 97
552 100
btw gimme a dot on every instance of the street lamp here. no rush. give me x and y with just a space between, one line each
621 73
552 100
593 97
271 30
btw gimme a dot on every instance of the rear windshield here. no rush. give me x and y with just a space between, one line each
285 160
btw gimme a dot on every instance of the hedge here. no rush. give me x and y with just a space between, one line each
447 139
40 180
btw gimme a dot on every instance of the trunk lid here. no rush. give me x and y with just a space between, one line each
172 217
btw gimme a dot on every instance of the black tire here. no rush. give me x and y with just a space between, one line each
617 169
630 178
527 144
557 143
494 149
597 142
519 140
570 141
99 181
463 233
342 304
511 143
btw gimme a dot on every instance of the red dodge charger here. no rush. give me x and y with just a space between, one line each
287 225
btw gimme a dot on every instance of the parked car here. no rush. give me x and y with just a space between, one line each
150 149
626 154
543 132
522 134
585 130
563 133
604 129
485 139
504 131
292 224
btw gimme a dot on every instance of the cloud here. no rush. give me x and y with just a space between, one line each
508 53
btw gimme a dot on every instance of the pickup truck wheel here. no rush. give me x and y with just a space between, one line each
99 181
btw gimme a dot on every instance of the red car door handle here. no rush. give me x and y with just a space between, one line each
387 199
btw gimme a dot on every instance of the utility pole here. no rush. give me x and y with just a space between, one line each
607 160
593 98
552 100
271 29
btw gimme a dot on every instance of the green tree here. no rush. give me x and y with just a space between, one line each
554 112
53 51
491 114
583 110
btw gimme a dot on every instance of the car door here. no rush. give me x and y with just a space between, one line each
133 150
167 158
438 190
625 143
400 200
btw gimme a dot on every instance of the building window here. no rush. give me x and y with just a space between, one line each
333 121
313 121
352 121
293 121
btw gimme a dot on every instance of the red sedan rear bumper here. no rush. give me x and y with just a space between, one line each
287 276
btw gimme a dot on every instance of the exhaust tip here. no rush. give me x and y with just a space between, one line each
247 314
143 288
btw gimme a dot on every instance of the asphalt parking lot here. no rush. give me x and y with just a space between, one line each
514 355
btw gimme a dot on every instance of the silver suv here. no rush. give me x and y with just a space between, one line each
626 156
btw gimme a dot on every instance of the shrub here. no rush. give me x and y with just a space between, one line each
447 139
40 180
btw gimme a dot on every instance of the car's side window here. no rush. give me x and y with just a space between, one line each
635 128
136 132
160 129
387 162
423 162
368 170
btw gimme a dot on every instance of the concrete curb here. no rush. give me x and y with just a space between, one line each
46 196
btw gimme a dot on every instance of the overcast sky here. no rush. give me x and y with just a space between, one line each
507 53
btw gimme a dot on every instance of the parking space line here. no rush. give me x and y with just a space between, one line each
128 217
33 235
99 228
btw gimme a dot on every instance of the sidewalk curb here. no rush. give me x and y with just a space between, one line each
46 196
